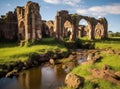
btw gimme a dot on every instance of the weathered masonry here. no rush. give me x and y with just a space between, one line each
29 21
96 27
25 23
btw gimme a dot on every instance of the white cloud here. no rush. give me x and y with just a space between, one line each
71 2
82 11
68 2
52 1
101 10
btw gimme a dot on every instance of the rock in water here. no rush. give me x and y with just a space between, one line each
73 80
11 73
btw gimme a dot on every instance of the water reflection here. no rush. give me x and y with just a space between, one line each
30 79
7 83
81 58
45 77
50 79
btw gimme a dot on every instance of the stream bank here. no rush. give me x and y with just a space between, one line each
34 60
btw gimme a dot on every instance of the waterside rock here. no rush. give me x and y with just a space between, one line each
73 81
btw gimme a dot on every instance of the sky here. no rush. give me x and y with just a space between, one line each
110 9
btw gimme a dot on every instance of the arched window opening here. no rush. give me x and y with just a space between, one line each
67 30
83 28
22 31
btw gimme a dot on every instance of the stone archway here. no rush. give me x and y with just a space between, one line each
60 19
83 28
91 25
63 16
67 29
21 33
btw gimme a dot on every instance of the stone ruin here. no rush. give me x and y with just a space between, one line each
8 26
95 27
29 21
47 28
25 23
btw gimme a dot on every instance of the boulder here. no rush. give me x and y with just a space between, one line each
52 61
73 80
110 51
117 73
90 56
72 57
64 66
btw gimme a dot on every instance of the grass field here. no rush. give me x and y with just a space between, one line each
113 42
110 42
10 52
112 60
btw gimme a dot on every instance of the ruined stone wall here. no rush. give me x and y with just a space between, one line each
47 28
8 27
29 21
74 19
25 23
50 25
82 31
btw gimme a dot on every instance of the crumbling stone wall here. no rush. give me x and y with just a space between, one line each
8 26
82 31
29 22
74 19
48 28
50 25
60 19
103 26
26 24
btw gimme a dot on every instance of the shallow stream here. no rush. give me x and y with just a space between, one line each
43 77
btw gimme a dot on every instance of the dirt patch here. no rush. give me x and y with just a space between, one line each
106 74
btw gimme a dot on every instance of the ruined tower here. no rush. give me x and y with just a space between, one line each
29 21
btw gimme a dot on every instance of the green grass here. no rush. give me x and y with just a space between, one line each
110 42
113 42
64 60
82 70
112 60
9 53
91 83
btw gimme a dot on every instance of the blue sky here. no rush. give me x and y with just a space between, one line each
97 8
